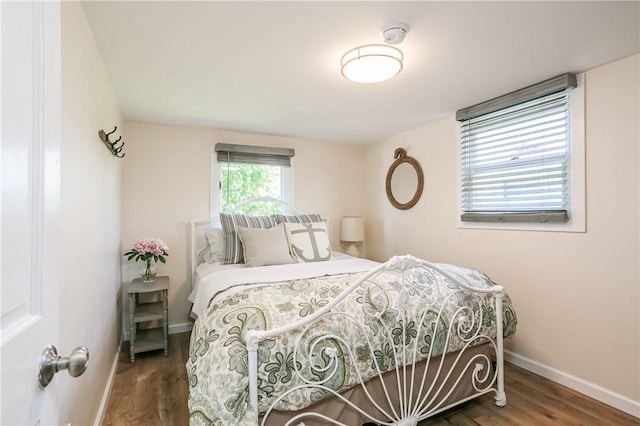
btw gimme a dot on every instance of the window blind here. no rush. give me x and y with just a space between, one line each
515 160
249 154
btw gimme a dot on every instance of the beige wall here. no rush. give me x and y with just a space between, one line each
576 294
90 221
166 184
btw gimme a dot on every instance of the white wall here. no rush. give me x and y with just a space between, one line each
166 185
90 220
576 294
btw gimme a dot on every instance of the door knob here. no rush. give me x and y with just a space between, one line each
51 363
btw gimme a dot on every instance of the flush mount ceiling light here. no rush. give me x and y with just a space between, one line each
373 63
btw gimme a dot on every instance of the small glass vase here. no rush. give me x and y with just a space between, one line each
149 272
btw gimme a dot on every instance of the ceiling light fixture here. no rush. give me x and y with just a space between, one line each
373 63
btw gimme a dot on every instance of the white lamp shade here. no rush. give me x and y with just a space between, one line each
352 229
371 63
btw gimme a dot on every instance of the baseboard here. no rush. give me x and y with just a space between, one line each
107 389
180 328
587 388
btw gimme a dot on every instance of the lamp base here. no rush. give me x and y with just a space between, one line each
352 250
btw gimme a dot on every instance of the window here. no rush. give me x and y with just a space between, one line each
242 172
518 154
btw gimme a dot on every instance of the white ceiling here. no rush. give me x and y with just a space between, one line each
273 67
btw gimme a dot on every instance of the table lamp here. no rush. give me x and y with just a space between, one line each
352 231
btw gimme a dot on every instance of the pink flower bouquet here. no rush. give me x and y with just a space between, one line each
147 249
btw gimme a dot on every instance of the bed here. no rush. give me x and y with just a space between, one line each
340 340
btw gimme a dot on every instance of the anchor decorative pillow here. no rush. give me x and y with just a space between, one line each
308 242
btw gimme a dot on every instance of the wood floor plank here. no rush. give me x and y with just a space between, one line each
174 376
511 413
482 414
459 419
127 379
583 407
154 391
148 398
524 409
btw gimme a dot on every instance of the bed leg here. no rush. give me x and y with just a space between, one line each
252 348
501 396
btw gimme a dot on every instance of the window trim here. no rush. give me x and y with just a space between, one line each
577 167
215 196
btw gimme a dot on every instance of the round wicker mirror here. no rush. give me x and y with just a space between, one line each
403 176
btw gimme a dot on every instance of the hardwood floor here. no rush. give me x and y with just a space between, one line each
153 391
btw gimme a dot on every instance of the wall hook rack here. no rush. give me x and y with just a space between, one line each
113 147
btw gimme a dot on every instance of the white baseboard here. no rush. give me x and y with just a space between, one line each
107 389
590 389
180 328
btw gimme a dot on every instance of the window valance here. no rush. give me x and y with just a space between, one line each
232 153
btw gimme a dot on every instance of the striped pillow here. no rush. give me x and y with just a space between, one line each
300 218
233 246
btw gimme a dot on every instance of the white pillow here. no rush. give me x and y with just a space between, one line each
308 242
264 247
215 251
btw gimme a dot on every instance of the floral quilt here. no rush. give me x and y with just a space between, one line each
364 335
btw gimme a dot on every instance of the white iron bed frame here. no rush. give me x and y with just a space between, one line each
416 399
414 406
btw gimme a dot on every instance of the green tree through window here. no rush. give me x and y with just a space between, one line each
241 182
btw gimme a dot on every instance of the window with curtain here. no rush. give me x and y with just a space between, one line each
516 155
246 172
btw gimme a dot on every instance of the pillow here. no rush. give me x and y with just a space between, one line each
233 246
215 245
300 218
264 247
308 242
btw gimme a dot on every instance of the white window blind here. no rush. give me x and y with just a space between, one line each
515 160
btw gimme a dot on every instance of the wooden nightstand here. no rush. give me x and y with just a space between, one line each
148 338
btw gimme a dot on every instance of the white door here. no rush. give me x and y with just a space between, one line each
29 201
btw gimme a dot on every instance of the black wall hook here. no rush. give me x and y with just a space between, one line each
113 147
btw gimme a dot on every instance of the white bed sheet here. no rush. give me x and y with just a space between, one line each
215 280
